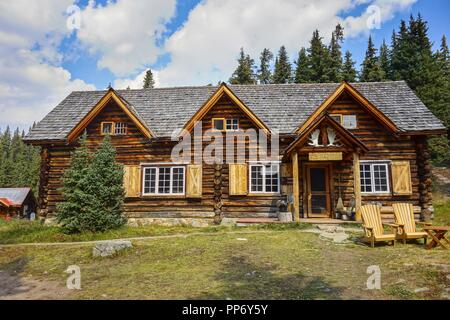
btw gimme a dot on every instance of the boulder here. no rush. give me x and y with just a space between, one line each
110 247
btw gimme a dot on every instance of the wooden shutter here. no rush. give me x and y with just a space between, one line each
238 179
401 178
132 181
194 181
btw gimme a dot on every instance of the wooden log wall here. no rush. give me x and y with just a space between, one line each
424 174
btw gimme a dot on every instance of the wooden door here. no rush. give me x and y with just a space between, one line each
318 193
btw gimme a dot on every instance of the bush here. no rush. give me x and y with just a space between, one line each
92 190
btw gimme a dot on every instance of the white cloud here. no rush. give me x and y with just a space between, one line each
32 81
124 33
204 49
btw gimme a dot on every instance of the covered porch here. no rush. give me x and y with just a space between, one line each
325 172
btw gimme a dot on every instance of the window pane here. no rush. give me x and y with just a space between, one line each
366 182
349 121
318 179
256 178
120 128
271 178
232 124
380 177
164 180
177 180
107 128
149 180
218 124
336 118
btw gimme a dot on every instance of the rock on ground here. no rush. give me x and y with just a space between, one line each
110 248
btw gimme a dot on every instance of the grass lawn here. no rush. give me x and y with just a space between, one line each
283 264
275 262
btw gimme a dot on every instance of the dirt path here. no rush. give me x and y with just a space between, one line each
18 287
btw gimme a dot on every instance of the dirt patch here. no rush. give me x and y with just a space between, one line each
17 287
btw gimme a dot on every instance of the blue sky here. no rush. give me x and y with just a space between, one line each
187 42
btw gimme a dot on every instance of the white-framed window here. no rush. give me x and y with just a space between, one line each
349 121
374 177
120 128
232 124
163 180
264 178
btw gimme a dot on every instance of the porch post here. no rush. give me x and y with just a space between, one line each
357 185
296 186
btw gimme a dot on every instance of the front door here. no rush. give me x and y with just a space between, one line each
318 191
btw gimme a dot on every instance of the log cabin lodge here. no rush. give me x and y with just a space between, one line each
341 145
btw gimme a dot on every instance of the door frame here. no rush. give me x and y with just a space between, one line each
306 187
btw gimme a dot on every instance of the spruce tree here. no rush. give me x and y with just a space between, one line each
385 62
73 211
92 190
334 69
264 73
318 59
348 69
302 72
283 69
244 73
371 70
105 185
149 82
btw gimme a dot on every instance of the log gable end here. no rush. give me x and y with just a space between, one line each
110 97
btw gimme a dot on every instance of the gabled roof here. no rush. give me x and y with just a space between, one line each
122 103
346 87
344 134
282 107
220 92
14 196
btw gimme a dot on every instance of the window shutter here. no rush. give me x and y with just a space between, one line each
194 181
401 178
132 181
238 179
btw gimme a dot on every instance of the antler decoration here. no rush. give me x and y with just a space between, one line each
332 138
314 140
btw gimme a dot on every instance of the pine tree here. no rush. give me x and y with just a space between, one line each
72 212
244 73
348 69
385 62
149 82
400 53
264 73
283 69
92 190
318 59
302 72
105 184
371 70
335 56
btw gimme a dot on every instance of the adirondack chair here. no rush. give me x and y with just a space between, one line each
373 227
404 218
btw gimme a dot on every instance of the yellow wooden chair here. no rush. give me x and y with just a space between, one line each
404 218
373 227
